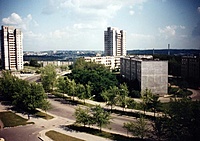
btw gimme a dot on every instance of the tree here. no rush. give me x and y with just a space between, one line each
88 90
138 128
34 63
81 92
128 126
183 120
8 84
35 99
101 117
123 95
45 105
48 77
64 67
110 96
97 75
24 95
146 97
158 126
71 87
155 103
83 116
61 85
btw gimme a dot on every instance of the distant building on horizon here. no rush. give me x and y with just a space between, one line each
11 48
114 42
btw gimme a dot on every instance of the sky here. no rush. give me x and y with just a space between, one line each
80 24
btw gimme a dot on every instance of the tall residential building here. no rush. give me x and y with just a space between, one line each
11 48
148 73
114 42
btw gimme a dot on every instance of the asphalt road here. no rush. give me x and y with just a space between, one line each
34 78
61 108
21 133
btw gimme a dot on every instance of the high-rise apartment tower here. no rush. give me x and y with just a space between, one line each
114 42
11 48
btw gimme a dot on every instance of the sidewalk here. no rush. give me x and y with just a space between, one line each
79 135
55 125
103 104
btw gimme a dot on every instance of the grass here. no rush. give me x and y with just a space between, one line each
56 136
104 134
43 115
10 119
69 99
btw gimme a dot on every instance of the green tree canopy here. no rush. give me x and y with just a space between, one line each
83 116
101 117
48 77
138 128
111 95
95 74
24 95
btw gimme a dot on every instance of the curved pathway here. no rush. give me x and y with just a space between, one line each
195 94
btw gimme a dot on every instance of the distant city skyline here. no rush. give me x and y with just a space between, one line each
80 24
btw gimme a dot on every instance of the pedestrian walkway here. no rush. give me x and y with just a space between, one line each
55 125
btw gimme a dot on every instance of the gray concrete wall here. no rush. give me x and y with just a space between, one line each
154 76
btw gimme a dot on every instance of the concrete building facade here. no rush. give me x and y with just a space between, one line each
149 73
113 62
11 48
190 69
114 42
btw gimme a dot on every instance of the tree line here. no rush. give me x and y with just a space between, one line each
22 94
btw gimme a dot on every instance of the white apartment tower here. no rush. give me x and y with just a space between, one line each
11 48
114 42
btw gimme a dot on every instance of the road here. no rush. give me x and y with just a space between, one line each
65 115
67 111
34 78
21 133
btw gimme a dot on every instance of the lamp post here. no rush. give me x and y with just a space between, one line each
92 97
124 100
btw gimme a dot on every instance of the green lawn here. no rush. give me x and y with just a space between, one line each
56 136
43 115
96 132
10 119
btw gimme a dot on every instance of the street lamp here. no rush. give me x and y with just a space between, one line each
92 96
124 96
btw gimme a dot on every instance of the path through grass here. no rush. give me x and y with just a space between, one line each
56 136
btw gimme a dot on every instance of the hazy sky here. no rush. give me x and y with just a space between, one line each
80 24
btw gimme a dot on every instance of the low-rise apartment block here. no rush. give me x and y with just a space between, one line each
150 74
113 62
190 69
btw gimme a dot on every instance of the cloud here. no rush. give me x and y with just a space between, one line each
57 34
136 40
131 12
198 9
31 35
182 27
12 19
170 30
19 22
140 7
51 7
196 30
142 36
